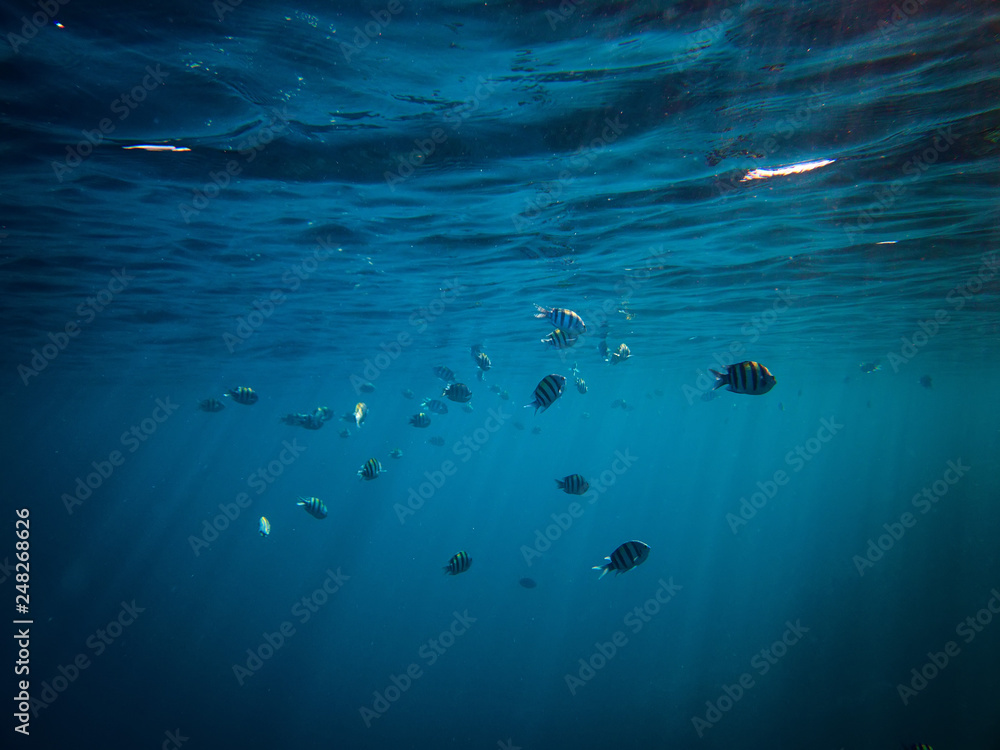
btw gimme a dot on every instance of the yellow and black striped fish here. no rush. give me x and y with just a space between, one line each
574 484
314 506
264 526
621 354
624 558
547 391
371 469
560 339
483 361
751 378
360 412
243 395
459 392
459 563
567 320
420 420
445 373
211 405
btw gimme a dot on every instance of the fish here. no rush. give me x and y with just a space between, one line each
211 405
560 339
243 395
459 563
370 469
750 378
547 391
917 747
867 367
435 406
621 354
574 484
264 526
314 507
504 395
407 393
366 387
925 381
445 373
360 412
624 558
559 317
620 403
468 408
344 433
436 440
483 361
420 420
458 392
528 583
324 413
309 421
581 385
395 453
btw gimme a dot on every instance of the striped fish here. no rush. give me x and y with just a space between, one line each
264 526
459 563
574 484
626 557
211 405
581 385
483 361
360 412
547 391
243 395
435 406
567 320
445 373
560 339
459 392
314 506
420 420
620 355
371 469
751 378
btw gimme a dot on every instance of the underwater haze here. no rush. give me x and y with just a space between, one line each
227 224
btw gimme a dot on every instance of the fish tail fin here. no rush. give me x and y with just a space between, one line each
560 484
720 379
604 570
528 406
446 570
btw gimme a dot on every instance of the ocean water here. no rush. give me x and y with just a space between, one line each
307 198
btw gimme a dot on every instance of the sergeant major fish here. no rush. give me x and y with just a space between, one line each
445 373
314 507
360 412
242 395
624 558
420 420
211 405
559 317
370 469
750 378
459 563
264 526
574 484
458 392
547 391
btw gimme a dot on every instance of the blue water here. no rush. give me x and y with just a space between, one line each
347 193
